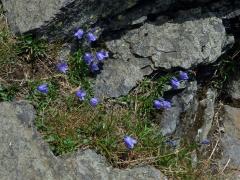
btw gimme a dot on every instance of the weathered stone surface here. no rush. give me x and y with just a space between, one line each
231 138
207 115
234 90
170 119
117 81
168 45
232 121
59 17
28 15
23 155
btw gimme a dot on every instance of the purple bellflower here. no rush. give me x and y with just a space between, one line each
79 34
205 142
43 88
81 94
62 67
94 102
88 58
171 143
91 37
94 67
183 75
161 104
175 83
129 142
157 104
101 55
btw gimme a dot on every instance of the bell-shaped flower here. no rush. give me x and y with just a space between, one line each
91 37
94 102
94 67
175 83
88 58
129 142
101 55
79 34
81 94
62 67
162 104
43 88
183 75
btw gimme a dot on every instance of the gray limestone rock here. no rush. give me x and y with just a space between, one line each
23 154
59 18
231 138
234 90
27 15
169 45
170 119
207 106
118 79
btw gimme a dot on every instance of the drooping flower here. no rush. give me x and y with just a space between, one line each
91 37
205 142
101 55
162 104
171 143
157 104
79 34
166 104
175 83
62 67
81 94
88 58
94 67
43 88
183 75
129 142
94 102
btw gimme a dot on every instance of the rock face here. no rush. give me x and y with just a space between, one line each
170 119
207 106
234 90
231 138
23 155
29 15
169 45
59 17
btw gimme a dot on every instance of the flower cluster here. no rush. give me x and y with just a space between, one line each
43 88
175 82
81 96
162 104
89 35
93 60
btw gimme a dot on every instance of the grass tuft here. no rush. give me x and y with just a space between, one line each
31 48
